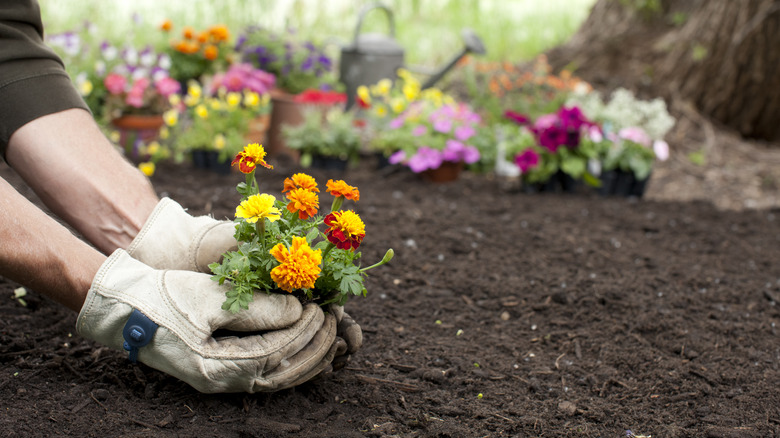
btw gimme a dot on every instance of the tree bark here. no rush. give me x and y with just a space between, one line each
722 56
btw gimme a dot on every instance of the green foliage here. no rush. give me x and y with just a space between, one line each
629 156
329 132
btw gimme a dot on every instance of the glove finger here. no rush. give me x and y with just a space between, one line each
337 311
213 243
266 312
325 368
306 363
351 332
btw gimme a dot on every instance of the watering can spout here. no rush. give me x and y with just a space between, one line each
472 44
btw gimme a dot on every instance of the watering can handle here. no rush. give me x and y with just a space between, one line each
366 10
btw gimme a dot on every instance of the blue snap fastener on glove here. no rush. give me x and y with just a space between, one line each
138 332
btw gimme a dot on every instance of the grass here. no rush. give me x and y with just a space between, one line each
429 30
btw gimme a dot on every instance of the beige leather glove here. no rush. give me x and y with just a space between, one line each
173 239
290 344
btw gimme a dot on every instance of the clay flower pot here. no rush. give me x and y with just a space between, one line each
135 128
448 171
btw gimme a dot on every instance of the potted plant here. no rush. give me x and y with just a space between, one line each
198 53
326 139
564 150
297 64
632 138
289 246
205 126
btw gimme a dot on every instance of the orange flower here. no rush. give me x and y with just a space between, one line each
248 159
300 181
219 33
203 37
210 52
340 188
188 33
187 47
304 202
166 25
299 266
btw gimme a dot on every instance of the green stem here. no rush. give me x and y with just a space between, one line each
337 201
327 250
388 256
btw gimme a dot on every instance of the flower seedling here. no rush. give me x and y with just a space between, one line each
281 246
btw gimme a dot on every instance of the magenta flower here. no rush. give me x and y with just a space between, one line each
516 117
528 159
419 130
397 157
442 125
464 132
425 158
242 76
135 97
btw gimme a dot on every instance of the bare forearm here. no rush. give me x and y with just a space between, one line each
79 175
38 252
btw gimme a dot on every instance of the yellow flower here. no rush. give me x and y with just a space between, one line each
194 90
233 99
383 87
251 99
299 266
380 111
115 136
252 155
364 94
219 142
174 100
171 117
153 148
215 104
85 87
411 91
398 105
147 168
257 207
202 111
164 133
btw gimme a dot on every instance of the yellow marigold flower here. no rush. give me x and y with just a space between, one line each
194 90
380 111
341 188
404 74
258 207
300 181
251 99
364 94
219 142
171 117
411 91
115 136
248 159
299 266
304 202
174 99
164 133
233 99
215 104
166 25
202 111
147 168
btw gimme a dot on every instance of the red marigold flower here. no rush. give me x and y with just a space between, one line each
341 188
346 229
248 159
304 202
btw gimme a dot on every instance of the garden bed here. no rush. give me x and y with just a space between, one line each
502 314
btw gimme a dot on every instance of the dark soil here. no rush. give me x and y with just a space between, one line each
503 314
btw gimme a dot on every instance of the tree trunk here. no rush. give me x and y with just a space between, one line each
722 56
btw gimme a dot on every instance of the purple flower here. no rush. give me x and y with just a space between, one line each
465 132
442 125
419 130
396 123
425 158
397 157
528 159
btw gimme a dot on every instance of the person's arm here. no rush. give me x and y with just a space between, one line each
40 253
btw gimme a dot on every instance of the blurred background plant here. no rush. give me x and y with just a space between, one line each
197 53
326 132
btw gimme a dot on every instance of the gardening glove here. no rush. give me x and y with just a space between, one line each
173 239
287 343
350 332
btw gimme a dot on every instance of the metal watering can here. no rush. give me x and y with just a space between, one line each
372 57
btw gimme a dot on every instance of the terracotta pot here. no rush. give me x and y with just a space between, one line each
284 111
137 128
258 129
447 172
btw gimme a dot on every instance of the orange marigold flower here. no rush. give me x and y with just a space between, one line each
210 52
166 25
187 47
248 159
203 37
300 181
304 202
340 188
346 229
219 33
300 265
188 33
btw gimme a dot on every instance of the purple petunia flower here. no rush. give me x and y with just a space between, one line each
425 158
528 159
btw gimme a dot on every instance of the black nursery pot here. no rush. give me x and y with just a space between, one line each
328 163
621 183
559 182
209 160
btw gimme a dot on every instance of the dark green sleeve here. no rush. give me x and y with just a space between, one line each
33 81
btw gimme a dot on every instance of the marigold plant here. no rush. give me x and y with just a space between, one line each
281 246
